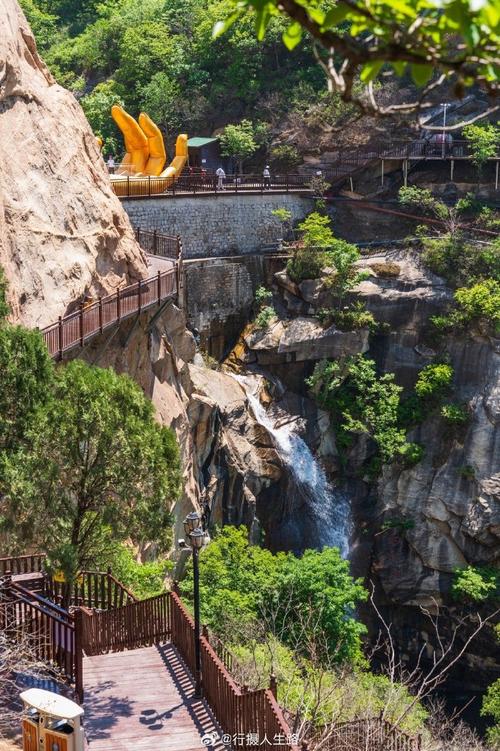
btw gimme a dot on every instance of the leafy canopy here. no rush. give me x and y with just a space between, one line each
484 141
476 584
242 584
361 402
454 38
96 464
238 141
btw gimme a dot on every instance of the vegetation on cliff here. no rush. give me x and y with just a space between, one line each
84 464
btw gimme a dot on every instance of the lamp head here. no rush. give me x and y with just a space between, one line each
191 522
197 538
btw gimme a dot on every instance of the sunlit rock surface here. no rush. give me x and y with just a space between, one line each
63 234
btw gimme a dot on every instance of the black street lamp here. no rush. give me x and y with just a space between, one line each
196 536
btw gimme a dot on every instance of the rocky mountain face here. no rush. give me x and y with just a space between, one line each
63 234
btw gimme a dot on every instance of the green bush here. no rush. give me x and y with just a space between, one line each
483 142
143 579
476 584
460 261
491 708
265 316
263 296
433 382
457 414
356 317
412 453
360 401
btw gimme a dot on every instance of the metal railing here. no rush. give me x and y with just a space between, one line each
198 184
95 317
159 244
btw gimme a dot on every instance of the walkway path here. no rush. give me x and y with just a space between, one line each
143 700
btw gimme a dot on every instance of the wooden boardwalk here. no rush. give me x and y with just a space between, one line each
142 700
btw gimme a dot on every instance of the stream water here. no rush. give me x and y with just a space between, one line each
326 507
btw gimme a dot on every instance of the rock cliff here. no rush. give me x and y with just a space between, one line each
63 234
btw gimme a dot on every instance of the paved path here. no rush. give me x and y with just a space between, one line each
141 700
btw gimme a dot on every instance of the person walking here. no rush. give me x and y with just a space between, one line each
267 178
111 164
221 175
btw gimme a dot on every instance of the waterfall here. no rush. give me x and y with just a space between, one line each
327 507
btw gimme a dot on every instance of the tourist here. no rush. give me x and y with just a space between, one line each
267 177
111 165
220 178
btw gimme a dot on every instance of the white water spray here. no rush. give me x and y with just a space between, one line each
328 507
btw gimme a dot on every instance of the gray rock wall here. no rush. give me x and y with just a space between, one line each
217 226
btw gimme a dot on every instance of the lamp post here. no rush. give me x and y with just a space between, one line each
196 536
445 107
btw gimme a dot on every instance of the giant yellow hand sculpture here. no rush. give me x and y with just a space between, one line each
145 150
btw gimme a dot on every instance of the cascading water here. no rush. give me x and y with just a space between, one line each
327 508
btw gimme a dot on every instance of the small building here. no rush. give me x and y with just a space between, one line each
204 153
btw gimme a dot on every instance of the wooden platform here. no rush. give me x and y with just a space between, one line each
142 700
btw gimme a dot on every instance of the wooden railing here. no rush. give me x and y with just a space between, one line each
92 589
198 185
22 564
138 624
159 244
239 713
79 327
48 629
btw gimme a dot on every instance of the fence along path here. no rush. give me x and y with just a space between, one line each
79 327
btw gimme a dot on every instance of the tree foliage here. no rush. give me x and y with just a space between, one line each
491 708
239 582
456 39
96 465
238 141
362 402
484 141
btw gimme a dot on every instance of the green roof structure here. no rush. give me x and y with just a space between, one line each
197 143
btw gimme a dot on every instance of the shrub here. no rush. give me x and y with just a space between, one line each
433 381
455 413
265 316
356 317
263 296
491 707
476 584
412 453
460 261
480 305
285 157
483 142
467 471
361 402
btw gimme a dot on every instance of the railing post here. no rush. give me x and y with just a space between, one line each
138 234
60 337
108 575
78 621
118 310
286 182
159 287
100 315
81 324
205 633
155 242
139 295
149 185
128 186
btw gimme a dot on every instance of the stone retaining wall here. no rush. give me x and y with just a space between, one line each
217 225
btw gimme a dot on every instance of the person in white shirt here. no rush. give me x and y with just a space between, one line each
267 177
111 164
220 178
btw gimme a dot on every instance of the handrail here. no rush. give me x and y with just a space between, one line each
209 184
79 327
159 244
22 564
43 602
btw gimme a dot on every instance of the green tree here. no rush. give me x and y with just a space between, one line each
97 107
238 141
243 585
406 35
476 584
26 375
484 142
361 402
285 157
491 708
97 465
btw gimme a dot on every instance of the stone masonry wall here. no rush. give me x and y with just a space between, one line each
217 225
219 295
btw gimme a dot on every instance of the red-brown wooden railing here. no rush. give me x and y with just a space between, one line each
239 713
370 734
22 564
79 327
157 243
92 589
199 185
